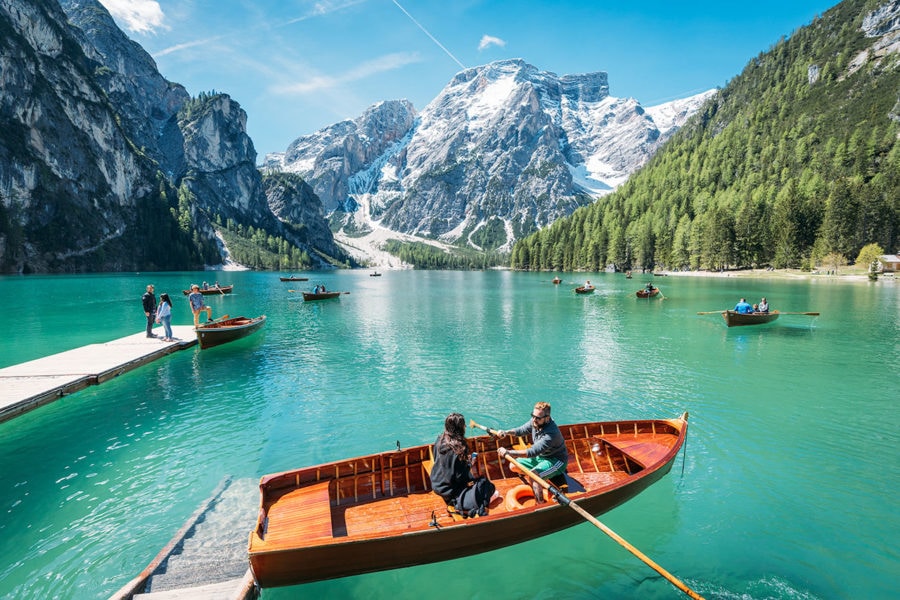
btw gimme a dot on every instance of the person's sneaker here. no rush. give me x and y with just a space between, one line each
151 335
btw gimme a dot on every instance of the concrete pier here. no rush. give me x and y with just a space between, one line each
29 385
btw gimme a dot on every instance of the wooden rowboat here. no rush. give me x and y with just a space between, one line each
213 291
292 278
378 512
645 294
557 281
734 319
310 296
584 290
227 330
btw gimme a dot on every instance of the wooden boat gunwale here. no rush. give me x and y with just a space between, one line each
310 296
736 319
334 544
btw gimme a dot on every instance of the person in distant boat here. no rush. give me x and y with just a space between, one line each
149 302
763 306
547 456
164 316
205 285
743 307
649 287
587 285
198 305
451 475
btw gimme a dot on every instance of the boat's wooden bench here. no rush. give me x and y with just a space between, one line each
307 508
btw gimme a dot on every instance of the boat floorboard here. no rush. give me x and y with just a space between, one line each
304 516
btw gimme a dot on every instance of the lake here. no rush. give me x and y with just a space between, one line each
786 487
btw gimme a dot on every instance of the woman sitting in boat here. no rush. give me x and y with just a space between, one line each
451 475
587 285
763 306
649 287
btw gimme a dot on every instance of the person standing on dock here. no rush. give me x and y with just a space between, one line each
149 302
198 305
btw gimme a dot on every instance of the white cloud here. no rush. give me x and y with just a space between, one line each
389 62
488 40
140 16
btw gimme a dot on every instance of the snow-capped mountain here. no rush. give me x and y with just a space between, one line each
503 150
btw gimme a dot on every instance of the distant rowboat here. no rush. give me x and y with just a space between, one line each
220 332
212 291
734 319
292 278
645 294
310 296
584 290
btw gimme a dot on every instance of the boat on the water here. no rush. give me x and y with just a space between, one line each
222 331
584 290
734 319
213 291
557 281
310 296
647 293
378 512
375 274
292 278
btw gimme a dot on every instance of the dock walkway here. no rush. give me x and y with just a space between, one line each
32 384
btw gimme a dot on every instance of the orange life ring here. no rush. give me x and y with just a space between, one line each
518 496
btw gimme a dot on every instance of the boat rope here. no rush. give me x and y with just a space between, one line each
434 522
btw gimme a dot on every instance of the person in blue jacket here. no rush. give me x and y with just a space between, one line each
743 307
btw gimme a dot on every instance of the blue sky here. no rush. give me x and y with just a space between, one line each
296 66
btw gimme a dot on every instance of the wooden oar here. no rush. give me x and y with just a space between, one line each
712 312
811 314
492 432
564 500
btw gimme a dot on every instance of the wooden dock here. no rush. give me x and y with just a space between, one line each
30 385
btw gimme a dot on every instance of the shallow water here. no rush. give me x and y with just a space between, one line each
786 488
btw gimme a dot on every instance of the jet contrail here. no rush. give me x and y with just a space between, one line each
441 46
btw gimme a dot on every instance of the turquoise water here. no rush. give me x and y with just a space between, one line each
786 489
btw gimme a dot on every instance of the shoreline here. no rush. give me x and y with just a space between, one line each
855 276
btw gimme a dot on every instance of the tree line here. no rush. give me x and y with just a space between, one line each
794 160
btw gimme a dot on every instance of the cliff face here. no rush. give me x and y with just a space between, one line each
65 158
94 143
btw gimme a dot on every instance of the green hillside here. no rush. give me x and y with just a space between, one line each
795 159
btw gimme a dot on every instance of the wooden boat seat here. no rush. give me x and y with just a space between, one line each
310 511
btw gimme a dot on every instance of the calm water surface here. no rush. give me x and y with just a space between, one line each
787 487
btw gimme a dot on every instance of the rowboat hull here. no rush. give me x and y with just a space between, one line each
213 291
227 330
734 319
646 294
583 290
294 278
378 512
310 296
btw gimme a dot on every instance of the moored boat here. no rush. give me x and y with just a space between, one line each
310 296
734 319
378 512
216 333
213 291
